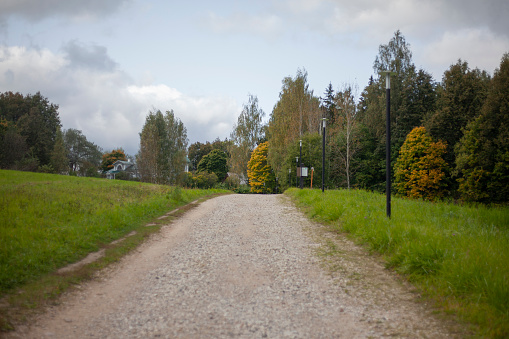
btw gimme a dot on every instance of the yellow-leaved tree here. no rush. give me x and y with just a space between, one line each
260 174
420 167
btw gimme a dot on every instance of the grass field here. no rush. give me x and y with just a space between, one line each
457 255
48 221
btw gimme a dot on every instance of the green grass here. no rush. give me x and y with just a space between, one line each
48 221
457 255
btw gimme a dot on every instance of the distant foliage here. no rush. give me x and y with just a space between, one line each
28 129
203 180
483 152
163 145
261 177
215 162
420 168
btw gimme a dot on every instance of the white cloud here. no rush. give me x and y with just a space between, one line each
479 47
106 104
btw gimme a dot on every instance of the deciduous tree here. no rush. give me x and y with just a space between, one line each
215 162
420 168
163 144
296 113
261 176
246 134
59 161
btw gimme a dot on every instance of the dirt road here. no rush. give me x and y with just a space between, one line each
242 266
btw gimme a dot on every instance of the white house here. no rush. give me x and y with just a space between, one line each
122 166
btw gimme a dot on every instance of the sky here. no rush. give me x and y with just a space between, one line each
108 63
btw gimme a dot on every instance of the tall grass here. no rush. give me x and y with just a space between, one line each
458 255
48 221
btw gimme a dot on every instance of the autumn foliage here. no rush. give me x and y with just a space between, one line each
259 172
420 167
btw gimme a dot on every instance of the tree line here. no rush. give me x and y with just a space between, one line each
462 120
32 139
450 138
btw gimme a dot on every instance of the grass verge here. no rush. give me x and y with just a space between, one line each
49 221
457 255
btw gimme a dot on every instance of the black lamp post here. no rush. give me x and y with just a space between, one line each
297 172
323 154
301 178
388 140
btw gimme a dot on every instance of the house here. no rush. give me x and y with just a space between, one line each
120 166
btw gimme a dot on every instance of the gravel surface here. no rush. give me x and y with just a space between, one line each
242 266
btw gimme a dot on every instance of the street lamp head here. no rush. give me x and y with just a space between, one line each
324 122
300 142
387 78
296 159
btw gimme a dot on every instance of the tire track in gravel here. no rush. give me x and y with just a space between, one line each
241 266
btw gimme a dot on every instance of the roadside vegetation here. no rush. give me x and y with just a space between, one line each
457 255
48 221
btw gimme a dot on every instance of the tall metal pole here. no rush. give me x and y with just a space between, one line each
323 155
297 172
300 158
388 141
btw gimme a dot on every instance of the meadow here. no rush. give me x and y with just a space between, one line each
458 256
48 221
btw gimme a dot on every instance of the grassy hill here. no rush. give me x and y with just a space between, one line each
48 221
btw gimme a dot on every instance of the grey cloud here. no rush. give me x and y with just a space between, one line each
92 57
489 13
36 10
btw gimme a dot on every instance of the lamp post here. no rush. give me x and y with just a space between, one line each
300 155
388 140
289 177
297 172
323 154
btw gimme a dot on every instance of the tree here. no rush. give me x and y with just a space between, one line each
460 98
196 152
147 157
329 105
344 135
59 161
413 95
482 160
109 158
246 134
13 148
177 141
163 144
215 162
296 113
81 153
261 176
35 119
420 168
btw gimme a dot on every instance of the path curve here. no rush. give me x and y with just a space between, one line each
241 266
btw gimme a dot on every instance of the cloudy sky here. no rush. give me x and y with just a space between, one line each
106 63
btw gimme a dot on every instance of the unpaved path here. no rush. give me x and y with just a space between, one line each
243 266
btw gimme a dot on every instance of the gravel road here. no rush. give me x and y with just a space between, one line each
242 266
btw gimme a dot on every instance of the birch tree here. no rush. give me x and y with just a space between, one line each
246 134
